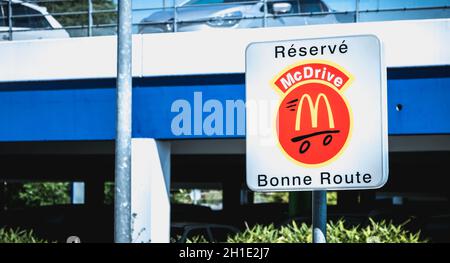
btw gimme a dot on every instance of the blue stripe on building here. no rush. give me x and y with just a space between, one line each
85 109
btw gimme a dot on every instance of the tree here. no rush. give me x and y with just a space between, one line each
46 193
64 6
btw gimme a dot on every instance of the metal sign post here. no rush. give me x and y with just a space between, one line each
319 216
10 36
122 203
90 17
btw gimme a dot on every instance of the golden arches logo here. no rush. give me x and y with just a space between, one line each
311 140
314 110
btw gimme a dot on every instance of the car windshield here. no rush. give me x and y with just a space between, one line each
205 2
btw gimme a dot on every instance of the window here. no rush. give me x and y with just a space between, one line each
294 6
29 18
205 2
3 14
312 6
271 197
212 198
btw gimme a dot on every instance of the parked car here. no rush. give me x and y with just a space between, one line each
181 232
29 21
193 15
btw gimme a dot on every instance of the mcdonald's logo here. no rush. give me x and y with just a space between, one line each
314 108
314 120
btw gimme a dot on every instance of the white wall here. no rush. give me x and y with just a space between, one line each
407 44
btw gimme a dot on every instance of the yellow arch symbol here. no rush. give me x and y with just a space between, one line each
314 108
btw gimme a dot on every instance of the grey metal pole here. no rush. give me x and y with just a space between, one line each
357 11
265 14
122 203
10 32
90 18
175 18
319 216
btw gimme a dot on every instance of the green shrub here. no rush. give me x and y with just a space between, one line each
272 197
380 232
283 197
181 196
77 6
332 198
108 191
9 235
375 232
197 239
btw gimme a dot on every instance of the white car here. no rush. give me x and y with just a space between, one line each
29 21
193 15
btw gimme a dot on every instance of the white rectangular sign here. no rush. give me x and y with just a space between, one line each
316 114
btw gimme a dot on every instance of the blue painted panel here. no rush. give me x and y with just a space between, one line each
35 115
423 106
85 109
152 115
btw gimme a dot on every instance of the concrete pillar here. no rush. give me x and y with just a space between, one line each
77 193
150 191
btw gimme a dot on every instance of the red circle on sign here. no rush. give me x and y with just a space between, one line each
313 123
